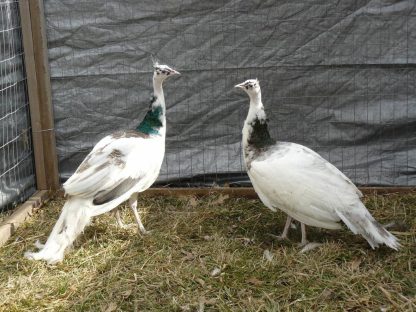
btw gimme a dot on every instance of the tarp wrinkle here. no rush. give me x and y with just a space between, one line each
336 76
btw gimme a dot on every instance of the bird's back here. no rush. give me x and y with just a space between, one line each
297 180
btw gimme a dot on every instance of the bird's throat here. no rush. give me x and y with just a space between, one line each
259 137
256 129
153 121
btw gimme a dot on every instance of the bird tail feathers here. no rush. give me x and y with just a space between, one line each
72 221
365 225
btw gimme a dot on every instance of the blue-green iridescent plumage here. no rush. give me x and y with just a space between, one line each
152 122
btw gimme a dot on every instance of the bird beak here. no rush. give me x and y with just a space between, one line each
175 72
241 85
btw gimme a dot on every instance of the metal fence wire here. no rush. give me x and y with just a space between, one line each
337 76
17 179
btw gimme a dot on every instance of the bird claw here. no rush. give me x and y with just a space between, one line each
279 237
127 226
142 230
145 232
309 246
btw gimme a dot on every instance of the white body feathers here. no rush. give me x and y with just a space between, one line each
119 166
140 161
295 179
143 158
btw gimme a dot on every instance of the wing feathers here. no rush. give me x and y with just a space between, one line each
104 197
114 159
313 191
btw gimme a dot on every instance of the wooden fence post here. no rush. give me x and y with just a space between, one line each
39 91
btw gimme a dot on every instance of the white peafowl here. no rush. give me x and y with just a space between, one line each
119 167
295 179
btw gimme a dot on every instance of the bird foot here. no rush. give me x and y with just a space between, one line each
279 237
127 226
308 246
143 231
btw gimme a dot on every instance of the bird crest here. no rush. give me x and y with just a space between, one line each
155 61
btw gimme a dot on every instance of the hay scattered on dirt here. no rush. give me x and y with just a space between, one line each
4 215
212 254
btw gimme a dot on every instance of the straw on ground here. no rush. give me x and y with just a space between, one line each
173 269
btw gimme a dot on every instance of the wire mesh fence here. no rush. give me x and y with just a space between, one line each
17 179
336 76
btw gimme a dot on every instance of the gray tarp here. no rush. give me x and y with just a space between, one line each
337 76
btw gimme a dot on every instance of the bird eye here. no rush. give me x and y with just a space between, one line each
168 73
163 72
246 87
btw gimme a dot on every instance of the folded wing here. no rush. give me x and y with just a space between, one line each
108 171
303 184
313 191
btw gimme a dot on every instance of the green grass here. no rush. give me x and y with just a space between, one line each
113 269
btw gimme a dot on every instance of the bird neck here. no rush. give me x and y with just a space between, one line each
255 131
255 98
154 121
158 89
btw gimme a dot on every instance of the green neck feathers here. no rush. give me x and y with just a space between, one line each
153 120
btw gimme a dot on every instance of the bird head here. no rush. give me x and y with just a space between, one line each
251 87
161 72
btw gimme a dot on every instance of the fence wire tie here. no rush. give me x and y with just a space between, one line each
44 130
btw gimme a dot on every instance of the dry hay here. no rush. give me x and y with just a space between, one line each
212 254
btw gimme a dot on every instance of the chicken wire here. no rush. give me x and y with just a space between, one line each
336 76
17 180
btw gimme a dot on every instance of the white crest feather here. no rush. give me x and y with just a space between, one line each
155 61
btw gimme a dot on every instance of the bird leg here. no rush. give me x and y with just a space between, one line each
307 246
304 240
119 221
116 213
133 205
285 230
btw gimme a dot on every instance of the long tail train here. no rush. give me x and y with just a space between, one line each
72 221
365 225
